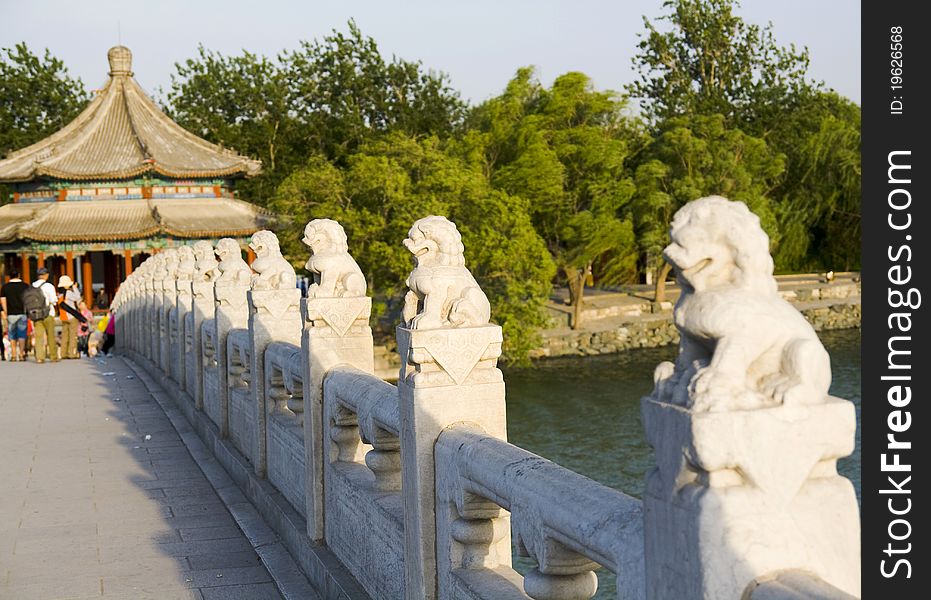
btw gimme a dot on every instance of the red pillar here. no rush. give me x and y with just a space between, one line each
25 267
40 260
69 264
88 275
250 255
128 261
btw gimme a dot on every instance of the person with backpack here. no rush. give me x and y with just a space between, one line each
11 309
41 311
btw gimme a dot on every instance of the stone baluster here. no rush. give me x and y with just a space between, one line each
745 434
153 303
448 374
203 308
169 298
232 312
274 316
336 331
384 459
183 306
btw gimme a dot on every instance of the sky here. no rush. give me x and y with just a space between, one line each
479 43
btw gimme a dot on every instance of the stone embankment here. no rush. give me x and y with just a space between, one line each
615 322
623 321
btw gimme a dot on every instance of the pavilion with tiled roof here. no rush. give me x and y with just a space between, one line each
118 183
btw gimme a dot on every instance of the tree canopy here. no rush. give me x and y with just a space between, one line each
558 184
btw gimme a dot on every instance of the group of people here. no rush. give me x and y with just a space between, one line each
28 316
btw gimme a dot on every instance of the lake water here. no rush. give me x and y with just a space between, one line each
584 414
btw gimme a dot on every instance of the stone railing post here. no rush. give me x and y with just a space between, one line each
183 306
745 433
152 309
169 306
203 308
336 331
274 316
232 312
448 374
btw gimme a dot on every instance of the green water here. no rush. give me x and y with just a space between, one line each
584 414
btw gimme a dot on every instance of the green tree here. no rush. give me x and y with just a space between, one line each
392 181
819 197
710 61
697 156
37 98
343 90
241 102
326 98
563 151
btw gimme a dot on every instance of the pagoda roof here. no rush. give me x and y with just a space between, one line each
122 220
122 133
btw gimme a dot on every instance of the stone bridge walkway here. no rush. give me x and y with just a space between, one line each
100 497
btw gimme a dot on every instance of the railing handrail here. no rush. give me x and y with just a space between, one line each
598 522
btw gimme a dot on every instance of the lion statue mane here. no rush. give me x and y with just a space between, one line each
741 345
272 271
232 267
336 273
442 292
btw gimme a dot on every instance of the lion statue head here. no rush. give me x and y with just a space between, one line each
719 243
265 243
435 240
203 250
325 235
205 268
186 262
227 248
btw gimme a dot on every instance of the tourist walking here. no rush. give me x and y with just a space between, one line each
70 315
46 346
11 302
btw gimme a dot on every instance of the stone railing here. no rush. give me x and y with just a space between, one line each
412 491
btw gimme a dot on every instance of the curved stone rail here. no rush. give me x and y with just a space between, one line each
567 523
412 491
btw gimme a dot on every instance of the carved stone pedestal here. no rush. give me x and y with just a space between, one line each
274 316
336 331
232 312
740 494
203 308
447 376
178 352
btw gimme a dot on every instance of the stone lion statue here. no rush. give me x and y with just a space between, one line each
171 262
232 267
442 291
206 265
186 263
272 271
742 346
336 274
159 268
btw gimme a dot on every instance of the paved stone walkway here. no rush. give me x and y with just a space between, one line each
91 507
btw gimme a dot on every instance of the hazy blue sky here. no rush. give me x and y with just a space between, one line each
479 43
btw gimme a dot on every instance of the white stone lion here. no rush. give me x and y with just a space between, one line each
742 346
186 263
206 265
336 273
232 267
272 271
443 292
